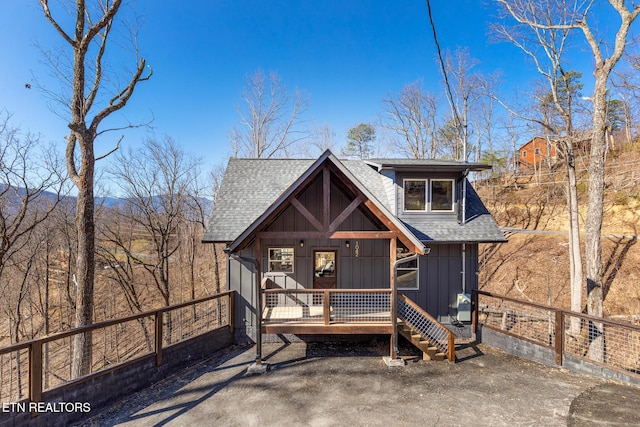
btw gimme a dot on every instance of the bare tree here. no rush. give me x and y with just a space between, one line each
215 181
158 184
467 88
581 16
628 87
25 178
216 174
270 120
555 107
412 115
483 123
323 139
116 253
31 186
88 40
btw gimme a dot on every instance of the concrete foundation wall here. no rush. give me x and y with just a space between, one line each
536 353
104 388
516 346
579 365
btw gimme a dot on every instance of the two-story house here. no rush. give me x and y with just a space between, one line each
535 151
332 246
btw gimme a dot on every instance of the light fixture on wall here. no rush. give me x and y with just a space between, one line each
347 243
302 243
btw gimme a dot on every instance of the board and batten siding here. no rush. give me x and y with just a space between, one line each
241 277
441 279
440 275
363 265
368 270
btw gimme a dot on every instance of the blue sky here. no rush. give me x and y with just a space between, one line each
346 56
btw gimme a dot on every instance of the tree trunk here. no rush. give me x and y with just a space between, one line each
593 225
575 257
85 261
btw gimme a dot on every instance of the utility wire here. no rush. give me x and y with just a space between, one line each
443 69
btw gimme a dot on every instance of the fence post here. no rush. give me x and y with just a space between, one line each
559 336
158 337
230 306
35 371
451 347
474 311
326 307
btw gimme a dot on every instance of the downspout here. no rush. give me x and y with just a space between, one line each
464 196
464 268
464 221
394 306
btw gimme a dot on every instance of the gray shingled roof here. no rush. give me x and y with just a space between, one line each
480 226
251 186
248 188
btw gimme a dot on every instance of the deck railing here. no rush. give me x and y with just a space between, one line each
326 306
428 327
29 368
607 343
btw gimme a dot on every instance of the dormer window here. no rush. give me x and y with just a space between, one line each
422 195
442 195
415 195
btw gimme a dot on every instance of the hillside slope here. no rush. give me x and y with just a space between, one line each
536 266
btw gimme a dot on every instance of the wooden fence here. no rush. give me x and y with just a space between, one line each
29 368
602 342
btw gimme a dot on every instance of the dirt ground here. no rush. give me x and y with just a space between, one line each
333 384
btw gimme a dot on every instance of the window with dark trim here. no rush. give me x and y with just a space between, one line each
441 194
415 195
280 260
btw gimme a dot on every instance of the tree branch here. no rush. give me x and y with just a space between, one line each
120 100
54 23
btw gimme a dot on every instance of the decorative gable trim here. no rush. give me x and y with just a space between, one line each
325 228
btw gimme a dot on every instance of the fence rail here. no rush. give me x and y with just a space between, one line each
603 342
29 368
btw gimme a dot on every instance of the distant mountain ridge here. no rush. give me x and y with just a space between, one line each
106 201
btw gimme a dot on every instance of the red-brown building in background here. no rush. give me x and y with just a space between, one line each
536 151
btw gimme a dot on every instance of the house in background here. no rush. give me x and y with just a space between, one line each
332 246
536 151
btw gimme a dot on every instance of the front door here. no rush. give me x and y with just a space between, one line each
324 270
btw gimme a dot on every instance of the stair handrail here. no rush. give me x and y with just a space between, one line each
449 347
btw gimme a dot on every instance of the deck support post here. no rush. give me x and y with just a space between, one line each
394 298
258 367
258 252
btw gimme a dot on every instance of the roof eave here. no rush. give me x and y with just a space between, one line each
458 167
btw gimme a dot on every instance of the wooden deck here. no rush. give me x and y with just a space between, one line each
327 311
352 312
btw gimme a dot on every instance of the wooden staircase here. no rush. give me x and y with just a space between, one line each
423 331
429 351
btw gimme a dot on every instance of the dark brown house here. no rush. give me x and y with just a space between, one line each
332 246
